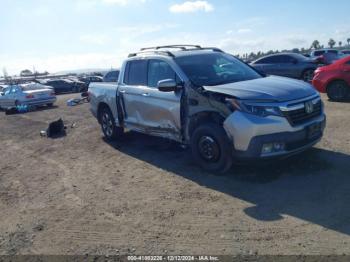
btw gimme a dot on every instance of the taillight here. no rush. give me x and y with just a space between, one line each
29 96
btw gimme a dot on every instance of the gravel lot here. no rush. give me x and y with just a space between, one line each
79 194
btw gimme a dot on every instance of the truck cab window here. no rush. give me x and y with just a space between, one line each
137 73
159 70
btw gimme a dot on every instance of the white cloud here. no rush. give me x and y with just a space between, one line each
191 6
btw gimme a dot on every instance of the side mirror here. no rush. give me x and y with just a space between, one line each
167 85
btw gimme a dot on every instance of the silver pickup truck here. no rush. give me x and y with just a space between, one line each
213 102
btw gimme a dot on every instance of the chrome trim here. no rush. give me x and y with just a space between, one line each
286 104
299 105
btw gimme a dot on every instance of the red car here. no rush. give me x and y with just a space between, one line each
334 79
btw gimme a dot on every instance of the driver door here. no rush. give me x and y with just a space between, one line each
161 111
146 109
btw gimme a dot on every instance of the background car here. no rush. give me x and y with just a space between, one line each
334 79
319 52
91 79
287 64
28 95
346 52
327 56
66 86
111 76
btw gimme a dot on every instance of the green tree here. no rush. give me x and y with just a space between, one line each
340 43
315 44
331 43
348 40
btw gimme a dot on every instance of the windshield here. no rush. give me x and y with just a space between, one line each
215 69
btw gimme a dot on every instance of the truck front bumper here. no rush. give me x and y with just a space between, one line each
271 137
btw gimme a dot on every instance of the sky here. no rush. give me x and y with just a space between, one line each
61 35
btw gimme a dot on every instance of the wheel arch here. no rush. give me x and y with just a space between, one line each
203 117
335 79
101 106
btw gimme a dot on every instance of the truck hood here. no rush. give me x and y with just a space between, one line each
269 89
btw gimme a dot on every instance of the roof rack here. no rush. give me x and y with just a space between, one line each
156 49
182 47
152 52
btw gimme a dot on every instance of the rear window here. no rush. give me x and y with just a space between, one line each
318 53
333 51
136 73
268 60
33 87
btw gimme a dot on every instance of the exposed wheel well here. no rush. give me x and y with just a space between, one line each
101 106
204 117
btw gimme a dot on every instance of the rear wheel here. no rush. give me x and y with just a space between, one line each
308 75
211 148
50 104
109 129
338 91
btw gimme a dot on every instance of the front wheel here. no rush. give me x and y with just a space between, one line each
338 91
109 129
308 75
211 148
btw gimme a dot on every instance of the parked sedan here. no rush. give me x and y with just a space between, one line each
65 86
288 65
334 79
91 79
27 95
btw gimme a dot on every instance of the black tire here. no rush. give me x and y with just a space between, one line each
109 129
211 148
308 75
50 104
75 89
338 91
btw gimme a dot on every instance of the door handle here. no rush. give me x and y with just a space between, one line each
145 94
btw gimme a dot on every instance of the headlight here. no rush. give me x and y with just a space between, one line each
254 109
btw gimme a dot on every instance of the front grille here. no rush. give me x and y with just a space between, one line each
300 116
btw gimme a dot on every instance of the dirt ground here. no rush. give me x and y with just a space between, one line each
81 195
